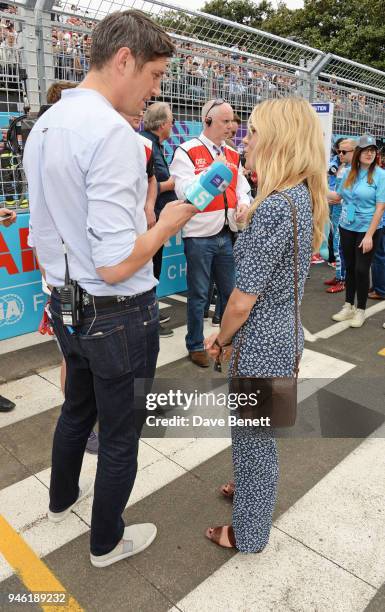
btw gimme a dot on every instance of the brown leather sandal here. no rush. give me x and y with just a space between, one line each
214 534
228 489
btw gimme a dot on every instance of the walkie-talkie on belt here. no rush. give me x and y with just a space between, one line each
69 298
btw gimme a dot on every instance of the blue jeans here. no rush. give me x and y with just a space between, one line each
218 307
103 358
335 214
204 255
378 265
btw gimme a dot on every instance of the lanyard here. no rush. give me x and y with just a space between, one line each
219 151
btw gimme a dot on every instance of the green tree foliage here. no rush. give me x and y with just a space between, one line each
246 12
354 29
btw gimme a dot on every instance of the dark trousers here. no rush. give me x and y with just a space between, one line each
357 266
157 261
206 256
378 265
103 357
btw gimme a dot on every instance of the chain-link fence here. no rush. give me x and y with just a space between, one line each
43 41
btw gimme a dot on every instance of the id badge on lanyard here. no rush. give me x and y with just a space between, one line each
350 213
351 208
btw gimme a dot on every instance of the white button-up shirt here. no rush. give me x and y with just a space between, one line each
87 182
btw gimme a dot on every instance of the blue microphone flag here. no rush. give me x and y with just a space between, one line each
209 184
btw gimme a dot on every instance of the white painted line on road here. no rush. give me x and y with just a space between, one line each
156 468
350 528
309 337
160 461
178 298
325 553
26 340
32 395
40 392
22 342
285 576
337 328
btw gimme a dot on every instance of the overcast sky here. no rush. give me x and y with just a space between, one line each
197 4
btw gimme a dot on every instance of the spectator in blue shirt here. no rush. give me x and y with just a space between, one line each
362 191
345 154
334 164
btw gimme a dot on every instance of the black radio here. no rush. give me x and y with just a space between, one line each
70 297
70 301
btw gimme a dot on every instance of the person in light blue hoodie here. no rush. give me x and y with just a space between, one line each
345 153
362 192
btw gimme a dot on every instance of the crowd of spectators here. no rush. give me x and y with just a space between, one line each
8 38
199 72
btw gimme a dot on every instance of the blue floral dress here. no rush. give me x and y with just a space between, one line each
264 261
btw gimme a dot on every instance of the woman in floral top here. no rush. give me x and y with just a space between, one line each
285 148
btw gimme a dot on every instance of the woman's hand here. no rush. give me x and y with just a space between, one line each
366 244
214 351
241 213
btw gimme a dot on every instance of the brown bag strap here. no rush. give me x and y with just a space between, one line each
295 233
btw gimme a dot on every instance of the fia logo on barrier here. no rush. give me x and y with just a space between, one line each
11 309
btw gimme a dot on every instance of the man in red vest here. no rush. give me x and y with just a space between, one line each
208 236
135 121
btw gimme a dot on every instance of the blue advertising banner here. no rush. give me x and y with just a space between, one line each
174 268
21 297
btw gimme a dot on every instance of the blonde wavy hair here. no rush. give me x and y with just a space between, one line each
290 149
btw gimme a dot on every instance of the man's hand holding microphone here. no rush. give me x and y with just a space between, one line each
174 216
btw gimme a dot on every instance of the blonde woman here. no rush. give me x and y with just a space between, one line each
285 148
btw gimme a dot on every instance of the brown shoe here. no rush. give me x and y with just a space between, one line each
199 358
373 295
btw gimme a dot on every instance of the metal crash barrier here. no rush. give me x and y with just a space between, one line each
43 41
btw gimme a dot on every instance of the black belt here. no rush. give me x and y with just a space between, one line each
106 301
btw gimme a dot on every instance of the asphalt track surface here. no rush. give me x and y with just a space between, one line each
326 549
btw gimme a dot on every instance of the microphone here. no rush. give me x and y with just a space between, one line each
209 184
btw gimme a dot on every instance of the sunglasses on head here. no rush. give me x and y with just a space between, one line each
216 102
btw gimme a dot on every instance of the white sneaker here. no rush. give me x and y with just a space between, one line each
358 319
135 539
347 312
85 489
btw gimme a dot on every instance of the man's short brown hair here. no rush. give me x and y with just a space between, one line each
54 91
237 119
146 40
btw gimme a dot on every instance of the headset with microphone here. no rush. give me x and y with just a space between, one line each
208 120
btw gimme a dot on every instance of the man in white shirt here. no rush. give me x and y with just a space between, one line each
208 236
87 184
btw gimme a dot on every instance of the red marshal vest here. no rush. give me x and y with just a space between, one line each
147 147
202 158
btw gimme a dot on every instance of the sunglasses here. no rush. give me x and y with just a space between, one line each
343 152
217 102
